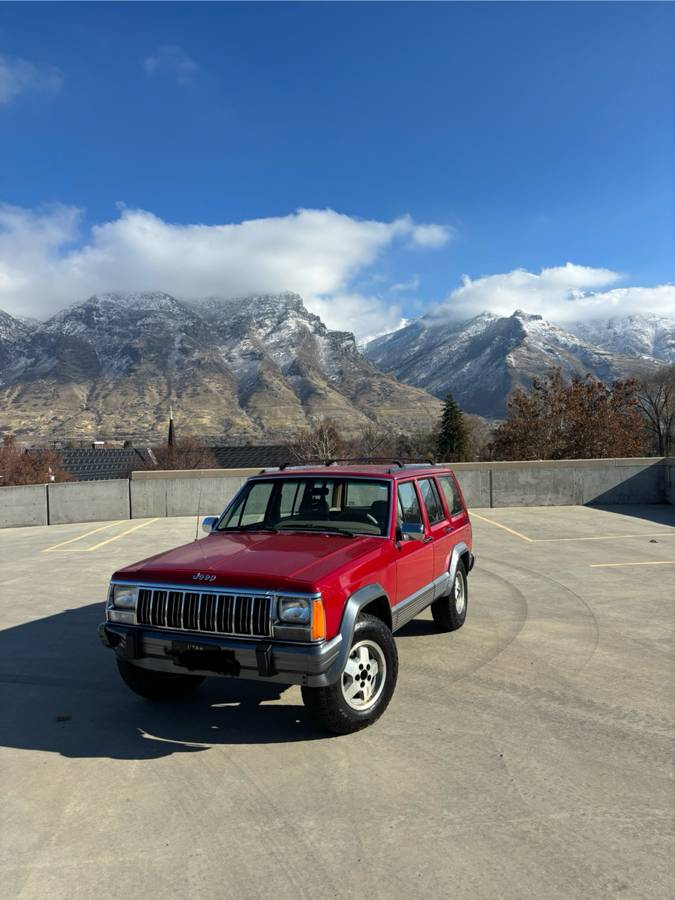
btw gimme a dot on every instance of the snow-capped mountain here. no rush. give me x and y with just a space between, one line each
12 332
645 335
481 361
251 368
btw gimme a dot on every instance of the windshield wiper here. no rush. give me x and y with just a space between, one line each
254 527
325 530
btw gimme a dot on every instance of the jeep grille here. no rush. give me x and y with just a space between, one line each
249 615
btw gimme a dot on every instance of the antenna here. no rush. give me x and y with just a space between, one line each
199 503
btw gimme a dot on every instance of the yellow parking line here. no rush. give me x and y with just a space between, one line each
115 537
523 537
656 562
607 537
80 536
122 534
666 532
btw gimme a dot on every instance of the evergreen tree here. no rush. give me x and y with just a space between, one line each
452 433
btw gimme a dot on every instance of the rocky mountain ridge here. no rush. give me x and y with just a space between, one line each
251 369
483 359
647 335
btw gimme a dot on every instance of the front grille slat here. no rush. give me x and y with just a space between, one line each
248 615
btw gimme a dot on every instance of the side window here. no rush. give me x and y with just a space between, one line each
408 504
451 494
431 500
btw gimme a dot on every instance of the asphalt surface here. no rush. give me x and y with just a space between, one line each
528 755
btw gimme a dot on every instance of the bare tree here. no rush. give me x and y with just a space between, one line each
184 453
417 444
583 419
656 398
478 436
19 466
322 442
372 442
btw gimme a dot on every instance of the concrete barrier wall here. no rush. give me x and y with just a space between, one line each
23 505
476 486
565 482
670 481
182 496
206 492
88 501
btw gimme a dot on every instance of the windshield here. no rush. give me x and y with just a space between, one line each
311 503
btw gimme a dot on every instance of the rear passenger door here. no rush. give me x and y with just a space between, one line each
415 558
438 524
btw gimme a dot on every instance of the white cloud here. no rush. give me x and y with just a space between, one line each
405 286
367 317
318 253
561 294
431 235
173 60
18 76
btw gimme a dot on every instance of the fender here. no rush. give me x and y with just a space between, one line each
457 552
353 607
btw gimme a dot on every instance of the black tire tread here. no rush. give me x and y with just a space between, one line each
324 703
443 610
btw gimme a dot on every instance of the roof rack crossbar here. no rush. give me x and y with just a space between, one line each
399 463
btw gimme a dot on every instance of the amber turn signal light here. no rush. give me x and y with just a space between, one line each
318 620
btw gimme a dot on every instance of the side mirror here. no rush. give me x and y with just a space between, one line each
412 531
209 523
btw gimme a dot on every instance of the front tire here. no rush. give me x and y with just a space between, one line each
365 686
157 685
449 613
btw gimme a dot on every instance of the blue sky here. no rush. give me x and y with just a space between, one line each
532 134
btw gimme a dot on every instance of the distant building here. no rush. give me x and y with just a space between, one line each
102 463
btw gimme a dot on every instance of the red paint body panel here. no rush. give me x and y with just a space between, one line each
294 561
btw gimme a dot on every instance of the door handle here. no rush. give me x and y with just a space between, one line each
428 539
448 529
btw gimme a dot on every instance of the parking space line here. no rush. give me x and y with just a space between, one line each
101 543
80 536
123 533
655 562
523 537
607 537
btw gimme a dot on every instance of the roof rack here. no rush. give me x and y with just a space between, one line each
402 463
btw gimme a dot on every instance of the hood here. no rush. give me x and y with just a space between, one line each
253 560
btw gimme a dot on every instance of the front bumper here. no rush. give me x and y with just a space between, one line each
312 665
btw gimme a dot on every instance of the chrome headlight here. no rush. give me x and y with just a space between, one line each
124 596
297 610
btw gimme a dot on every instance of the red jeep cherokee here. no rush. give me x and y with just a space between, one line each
302 580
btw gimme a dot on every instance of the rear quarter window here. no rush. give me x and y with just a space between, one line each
451 494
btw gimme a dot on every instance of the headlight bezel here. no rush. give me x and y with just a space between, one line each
294 610
310 628
124 597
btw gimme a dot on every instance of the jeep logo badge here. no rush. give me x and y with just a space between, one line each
200 577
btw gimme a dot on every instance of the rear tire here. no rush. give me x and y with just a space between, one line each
449 613
365 686
157 685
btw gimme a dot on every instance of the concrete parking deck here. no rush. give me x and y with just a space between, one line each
527 755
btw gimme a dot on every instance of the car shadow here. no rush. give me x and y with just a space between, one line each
62 693
661 514
418 628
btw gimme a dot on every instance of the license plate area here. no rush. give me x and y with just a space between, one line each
192 656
